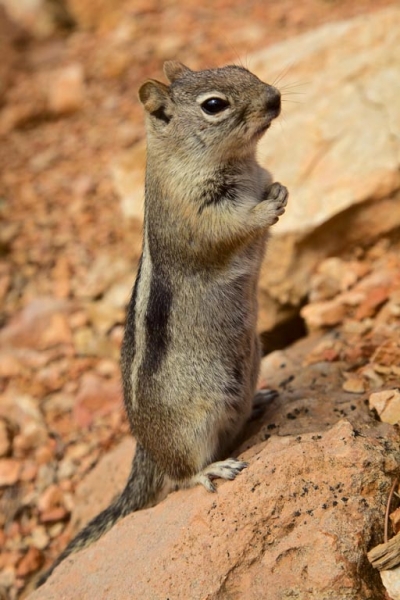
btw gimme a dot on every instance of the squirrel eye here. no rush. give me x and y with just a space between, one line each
213 106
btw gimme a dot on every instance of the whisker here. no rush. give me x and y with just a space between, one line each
234 51
282 75
292 101
288 86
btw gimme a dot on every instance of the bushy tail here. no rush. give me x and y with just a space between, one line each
143 486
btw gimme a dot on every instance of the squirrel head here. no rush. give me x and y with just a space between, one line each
214 113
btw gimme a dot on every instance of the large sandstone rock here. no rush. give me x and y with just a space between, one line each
336 147
278 531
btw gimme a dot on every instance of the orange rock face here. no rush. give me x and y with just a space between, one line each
277 530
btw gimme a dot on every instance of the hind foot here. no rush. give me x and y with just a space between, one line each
260 402
224 469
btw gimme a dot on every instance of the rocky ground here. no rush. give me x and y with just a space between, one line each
71 129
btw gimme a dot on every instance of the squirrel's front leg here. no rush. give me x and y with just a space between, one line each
272 205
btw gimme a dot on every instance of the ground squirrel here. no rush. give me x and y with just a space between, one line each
190 356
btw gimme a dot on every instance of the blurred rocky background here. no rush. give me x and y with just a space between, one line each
72 159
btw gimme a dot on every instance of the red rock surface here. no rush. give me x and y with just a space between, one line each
277 530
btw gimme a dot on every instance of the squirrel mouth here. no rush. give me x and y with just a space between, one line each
261 130
273 111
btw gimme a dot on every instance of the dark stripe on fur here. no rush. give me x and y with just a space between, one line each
157 317
221 187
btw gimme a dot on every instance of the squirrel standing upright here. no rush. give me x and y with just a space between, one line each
190 355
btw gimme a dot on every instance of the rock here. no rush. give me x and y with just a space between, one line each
87 343
9 471
58 513
323 314
92 495
44 455
66 468
105 271
395 520
50 379
66 89
29 471
52 497
104 316
333 276
342 177
375 381
128 172
32 436
97 396
46 476
91 14
44 160
118 296
25 420
10 366
30 563
113 60
77 451
10 33
327 350
361 292
5 441
5 275
107 368
39 538
391 581
388 355
277 517
55 529
11 555
7 577
370 305
387 405
41 325
357 327
354 385
36 16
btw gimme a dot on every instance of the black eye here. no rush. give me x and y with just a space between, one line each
213 106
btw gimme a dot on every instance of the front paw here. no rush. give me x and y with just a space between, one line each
273 203
277 196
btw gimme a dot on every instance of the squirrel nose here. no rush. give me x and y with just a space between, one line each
273 101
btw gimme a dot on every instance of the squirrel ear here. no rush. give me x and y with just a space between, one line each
174 69
154 96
